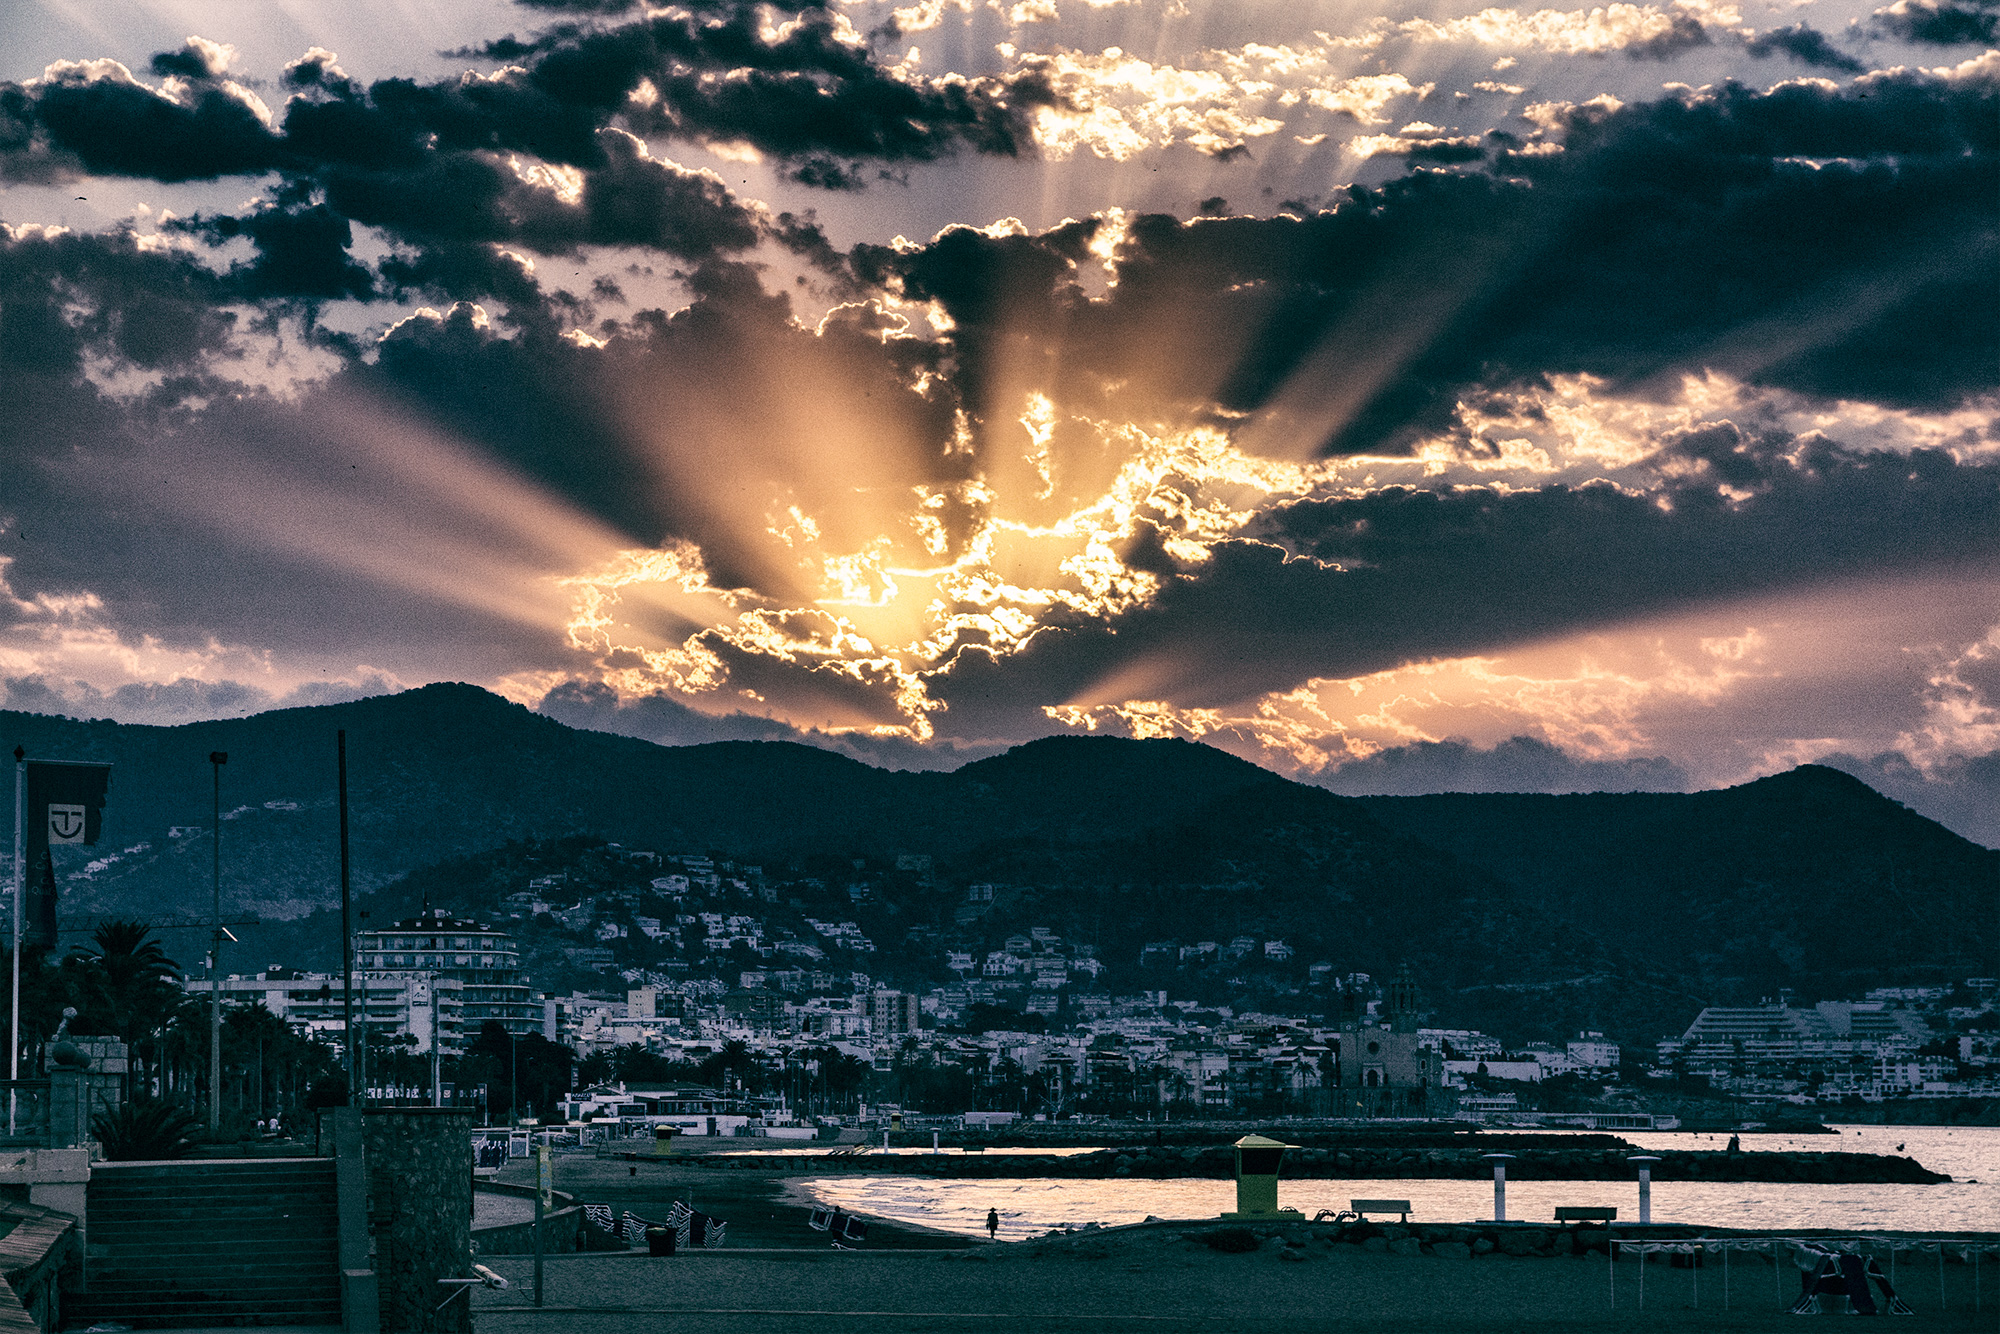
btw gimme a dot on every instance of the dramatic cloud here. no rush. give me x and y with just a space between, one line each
1936 23
1434 401
1808 46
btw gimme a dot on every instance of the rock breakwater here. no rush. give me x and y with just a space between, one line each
1544 1164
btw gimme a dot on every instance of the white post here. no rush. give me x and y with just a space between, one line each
1644 1162
20 888
934 1141
1499 1161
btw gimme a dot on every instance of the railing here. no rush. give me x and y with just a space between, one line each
24 1105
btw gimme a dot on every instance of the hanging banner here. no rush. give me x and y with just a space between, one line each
65 806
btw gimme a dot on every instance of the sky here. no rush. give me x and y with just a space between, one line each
1439 397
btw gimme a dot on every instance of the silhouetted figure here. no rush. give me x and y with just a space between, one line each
992 1224
1735 1144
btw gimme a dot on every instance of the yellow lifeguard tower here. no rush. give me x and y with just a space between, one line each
1257 1160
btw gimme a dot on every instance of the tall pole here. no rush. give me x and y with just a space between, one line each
216 759
347 930
437 1057
20 889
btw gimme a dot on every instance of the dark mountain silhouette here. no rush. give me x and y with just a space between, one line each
1807 879
1523 913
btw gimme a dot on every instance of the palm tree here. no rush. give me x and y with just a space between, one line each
132 987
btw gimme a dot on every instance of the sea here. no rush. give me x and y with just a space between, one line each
1969 1203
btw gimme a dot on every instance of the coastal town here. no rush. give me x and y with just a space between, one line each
684 963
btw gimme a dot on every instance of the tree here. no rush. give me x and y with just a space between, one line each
126 987
497 1058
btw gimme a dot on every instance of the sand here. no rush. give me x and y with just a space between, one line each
761 1209
1160 1277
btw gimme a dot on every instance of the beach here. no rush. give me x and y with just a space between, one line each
763 1210
1168 1277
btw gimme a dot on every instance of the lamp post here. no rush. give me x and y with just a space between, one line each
1644 1162
216 759
1499 1161
513 1075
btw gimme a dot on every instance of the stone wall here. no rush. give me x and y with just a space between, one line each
420 1208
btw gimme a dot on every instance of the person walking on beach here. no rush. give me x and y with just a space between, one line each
993 1225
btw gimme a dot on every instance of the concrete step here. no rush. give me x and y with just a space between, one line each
251 1215
305 1190
199 1270
79 1314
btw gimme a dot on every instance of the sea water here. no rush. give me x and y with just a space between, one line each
1028 1207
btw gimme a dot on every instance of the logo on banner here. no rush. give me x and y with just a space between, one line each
66 823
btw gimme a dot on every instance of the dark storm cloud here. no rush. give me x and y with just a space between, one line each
67 296
1833 241
302 253
1938 22
1341 588
1683 34
627 199
811 94
1519 764
1808 46
116 127
432 163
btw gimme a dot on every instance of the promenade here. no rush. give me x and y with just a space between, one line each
1160 1278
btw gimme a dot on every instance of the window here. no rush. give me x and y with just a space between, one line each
1374 1049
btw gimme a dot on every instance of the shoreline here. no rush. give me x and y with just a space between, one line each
1548 1162
759 1208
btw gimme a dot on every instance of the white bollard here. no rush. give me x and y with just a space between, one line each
1644 1162
1499 1161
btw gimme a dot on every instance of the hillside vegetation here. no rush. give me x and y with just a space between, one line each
1530 915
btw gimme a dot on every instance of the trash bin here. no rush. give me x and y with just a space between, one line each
659 1241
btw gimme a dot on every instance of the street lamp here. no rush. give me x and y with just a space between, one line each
216 759
513 1076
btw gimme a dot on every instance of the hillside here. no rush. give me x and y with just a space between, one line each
1807 879
1524 914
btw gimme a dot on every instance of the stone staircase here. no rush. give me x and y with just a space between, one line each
217 1242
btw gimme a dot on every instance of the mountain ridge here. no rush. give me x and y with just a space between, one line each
1554 911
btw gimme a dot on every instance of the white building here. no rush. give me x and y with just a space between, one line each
1593 1052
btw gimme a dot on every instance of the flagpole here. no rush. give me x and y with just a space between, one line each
216 760
346 929
20 888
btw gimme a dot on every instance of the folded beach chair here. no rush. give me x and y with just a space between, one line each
600 1217
820 1220
1838 1274
633 1228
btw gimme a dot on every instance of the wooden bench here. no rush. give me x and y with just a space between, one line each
1367 1207
1579 1213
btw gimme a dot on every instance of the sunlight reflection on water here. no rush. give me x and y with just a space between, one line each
1031 1206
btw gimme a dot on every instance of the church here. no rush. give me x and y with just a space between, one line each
1380 1068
